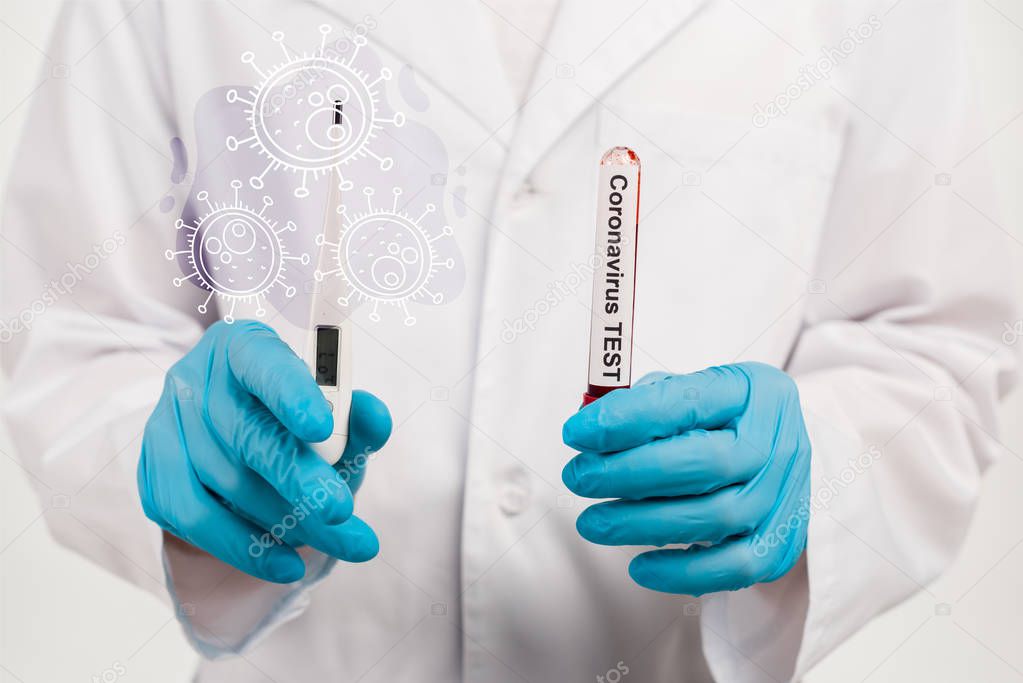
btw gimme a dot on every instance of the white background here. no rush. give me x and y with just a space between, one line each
62 619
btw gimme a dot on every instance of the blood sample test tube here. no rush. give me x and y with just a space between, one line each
614 276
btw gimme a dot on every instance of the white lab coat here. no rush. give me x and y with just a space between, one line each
825 242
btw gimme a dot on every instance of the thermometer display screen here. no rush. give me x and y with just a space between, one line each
327 354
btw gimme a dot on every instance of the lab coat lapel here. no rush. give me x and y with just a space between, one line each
453 47
595 43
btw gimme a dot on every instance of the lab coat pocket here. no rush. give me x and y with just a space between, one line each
731 221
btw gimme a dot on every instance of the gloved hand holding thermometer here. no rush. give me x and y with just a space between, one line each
719 459
246 434
226 456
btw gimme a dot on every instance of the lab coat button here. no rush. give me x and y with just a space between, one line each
513 498
525 191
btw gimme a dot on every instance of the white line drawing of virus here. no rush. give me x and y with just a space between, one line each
386 256
290 112
236 253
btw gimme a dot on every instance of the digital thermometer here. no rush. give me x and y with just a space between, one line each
614 277
329 343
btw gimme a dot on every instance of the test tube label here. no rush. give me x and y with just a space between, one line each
614 278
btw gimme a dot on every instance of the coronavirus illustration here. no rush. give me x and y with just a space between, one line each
387 256
235 253
313 114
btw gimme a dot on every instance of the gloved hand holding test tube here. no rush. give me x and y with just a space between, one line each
716 463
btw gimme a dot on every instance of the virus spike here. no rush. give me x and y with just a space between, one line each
250 59
178 281
256 181
430 208
446 231
303 190
204 306
232 143
324 32
233 97
278 37
267 203
410 319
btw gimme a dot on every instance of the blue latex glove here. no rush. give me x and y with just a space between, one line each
719 457
225 463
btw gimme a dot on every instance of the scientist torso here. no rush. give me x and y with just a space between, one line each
472 324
